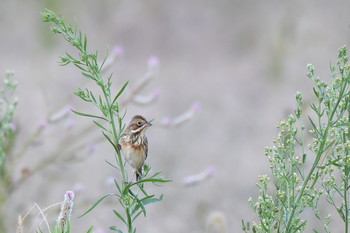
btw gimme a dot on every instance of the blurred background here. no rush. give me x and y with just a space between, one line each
238 63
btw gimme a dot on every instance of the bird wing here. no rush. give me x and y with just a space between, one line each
146 149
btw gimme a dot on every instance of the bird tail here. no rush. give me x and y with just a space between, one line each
138 174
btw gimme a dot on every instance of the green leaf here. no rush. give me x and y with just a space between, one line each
88 115
117 185
85 42
334 162
346 124
144 201
71 58
150 200
101 101
120 92
96 203
119 216
316 92
139 204
112 165
315 179
110 140
81 68
90 229
135 217
92 96
104 61
101 126
114 228
304 158
88 76
316 110
153 180
313 125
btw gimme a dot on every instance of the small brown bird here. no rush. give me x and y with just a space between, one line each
134 144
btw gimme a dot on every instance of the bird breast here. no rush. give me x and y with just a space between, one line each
134 153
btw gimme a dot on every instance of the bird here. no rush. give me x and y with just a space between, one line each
134 144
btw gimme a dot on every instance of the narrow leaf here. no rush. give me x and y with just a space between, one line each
114 228
140 205
316 110
112 164
110 140
92 96
120 92
117 185
138 214
119 216
81 68
85 42
304 158
90 229
104 61
101 126
152 200
313 125
96 203
88 76
88 115
347 124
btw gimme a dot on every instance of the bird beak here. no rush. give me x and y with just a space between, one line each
148 123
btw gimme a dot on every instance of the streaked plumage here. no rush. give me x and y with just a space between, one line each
134 144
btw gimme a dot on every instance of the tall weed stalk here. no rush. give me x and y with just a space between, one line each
131 196
304 173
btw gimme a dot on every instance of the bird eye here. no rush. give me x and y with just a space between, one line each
139 123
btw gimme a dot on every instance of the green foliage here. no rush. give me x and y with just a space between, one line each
7 107
303 174
131 195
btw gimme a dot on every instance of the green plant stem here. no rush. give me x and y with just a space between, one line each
129 221
115 134
346 187
319 154
346 183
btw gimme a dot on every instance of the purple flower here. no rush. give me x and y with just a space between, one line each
153 62
156 93
66 211
118 50
92 147
196 106
166 121
42 124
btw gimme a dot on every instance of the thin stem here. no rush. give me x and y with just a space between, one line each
346 210
114 132
129 220
346 185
